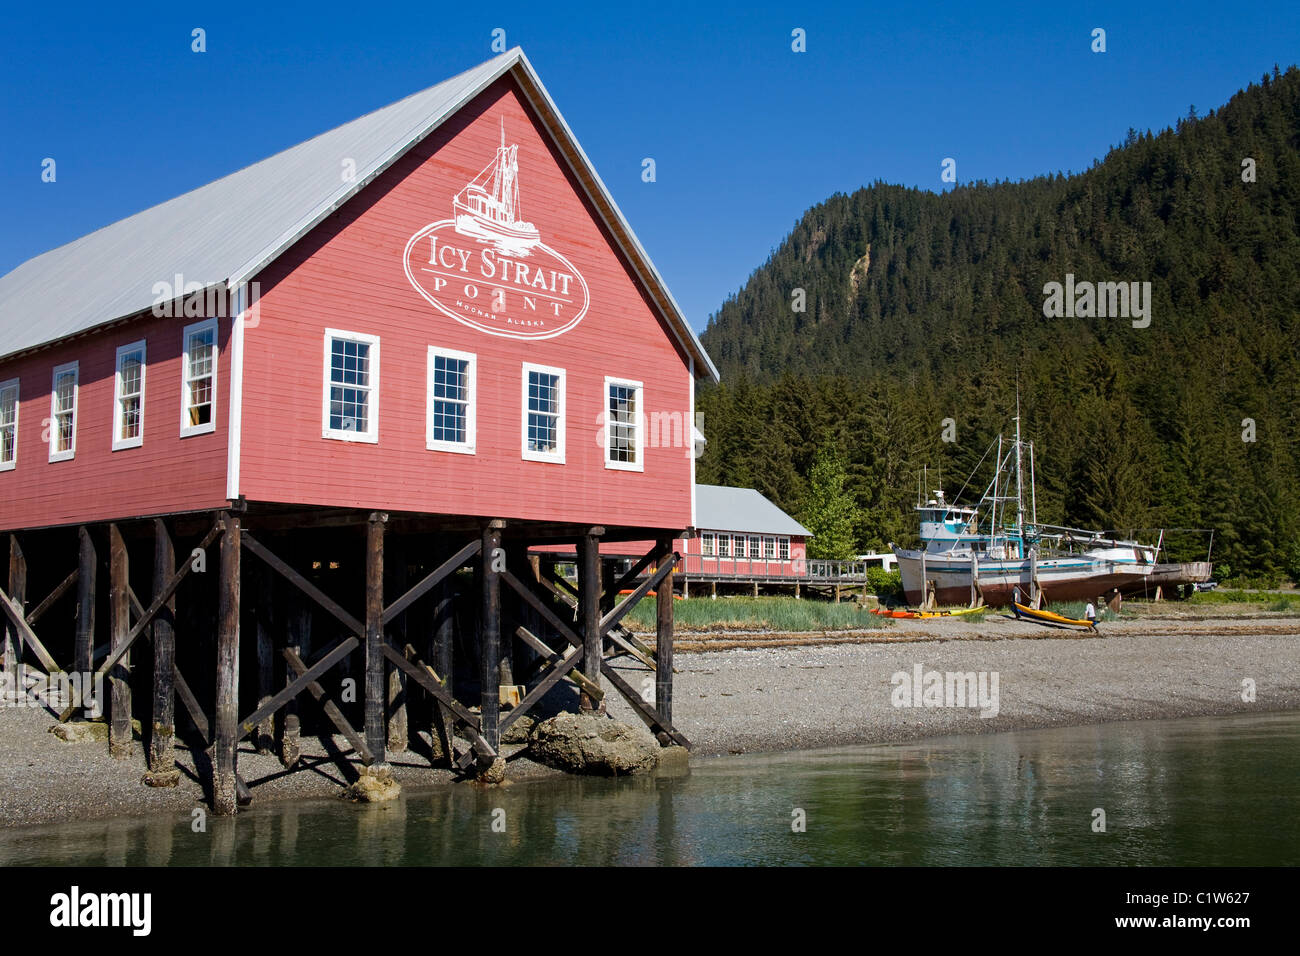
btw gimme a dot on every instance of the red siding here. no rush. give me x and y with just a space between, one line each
693 562
165 474
349 275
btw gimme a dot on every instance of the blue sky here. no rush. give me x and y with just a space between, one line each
746 134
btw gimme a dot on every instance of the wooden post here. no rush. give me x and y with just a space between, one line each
264 733
974 579
297 636
162 736
376 689
119 613
442 637
1033 578
492 559
13 642
224 796
395 583
87 566
686 588
589 614
664 640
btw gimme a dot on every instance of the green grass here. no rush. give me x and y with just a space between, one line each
763 613
1272 602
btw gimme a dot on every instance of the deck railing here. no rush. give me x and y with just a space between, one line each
723 568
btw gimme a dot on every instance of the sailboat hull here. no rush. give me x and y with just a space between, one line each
1074 578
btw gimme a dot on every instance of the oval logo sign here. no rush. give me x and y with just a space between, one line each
488 268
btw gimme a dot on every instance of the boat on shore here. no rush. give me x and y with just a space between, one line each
996 552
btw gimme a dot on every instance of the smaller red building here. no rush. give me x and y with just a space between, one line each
741 534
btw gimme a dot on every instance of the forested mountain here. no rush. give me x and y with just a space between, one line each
921 307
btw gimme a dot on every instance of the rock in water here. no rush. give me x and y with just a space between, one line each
593 743
375 785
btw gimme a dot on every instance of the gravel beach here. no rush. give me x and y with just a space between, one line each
763 692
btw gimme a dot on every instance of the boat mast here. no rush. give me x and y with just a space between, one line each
997 474
1033 489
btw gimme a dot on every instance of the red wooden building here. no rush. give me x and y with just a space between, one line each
428 333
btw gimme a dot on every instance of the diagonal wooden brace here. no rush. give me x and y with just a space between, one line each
425 680
329 707
35 613
165 595
648 714
560 670
631 601
13 610
432 580
525 592
249 723
303 585
554 659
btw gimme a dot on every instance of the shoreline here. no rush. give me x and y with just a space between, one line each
835 691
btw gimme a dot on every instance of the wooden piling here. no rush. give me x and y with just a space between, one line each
441 638
589 591
297 636
491 558
664 639
84 642
224 795
395 583
13 642
119 613
162 736
376 688
264 615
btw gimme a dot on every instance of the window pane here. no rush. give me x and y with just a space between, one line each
543 412
622 423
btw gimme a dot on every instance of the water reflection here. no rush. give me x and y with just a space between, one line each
1192 792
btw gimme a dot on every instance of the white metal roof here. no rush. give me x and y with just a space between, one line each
226 232
719 508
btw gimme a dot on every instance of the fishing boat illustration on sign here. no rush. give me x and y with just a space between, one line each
487 209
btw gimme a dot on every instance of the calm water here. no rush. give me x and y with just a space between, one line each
1201 791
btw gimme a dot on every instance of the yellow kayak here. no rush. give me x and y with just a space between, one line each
1047 617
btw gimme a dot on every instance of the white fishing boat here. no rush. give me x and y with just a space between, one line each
998 552
487 209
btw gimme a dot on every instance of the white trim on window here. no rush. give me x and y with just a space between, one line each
557 455
119 420
470 401
371 388
637 425
189 409
56 428
708 545
8 464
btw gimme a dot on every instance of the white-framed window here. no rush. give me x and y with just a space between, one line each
724 545
738 545
8 424
128 397
755 547
624 434
63 413
451 390
350 407
543 418
784 549
707 544
199 379
769 548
